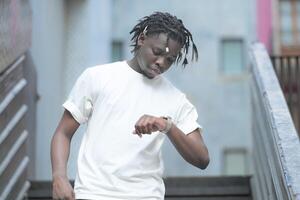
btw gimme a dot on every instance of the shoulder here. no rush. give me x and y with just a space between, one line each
178 96
100 72
170 88
104 68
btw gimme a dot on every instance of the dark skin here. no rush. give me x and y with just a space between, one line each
155 55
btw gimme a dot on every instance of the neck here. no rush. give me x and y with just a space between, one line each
134 65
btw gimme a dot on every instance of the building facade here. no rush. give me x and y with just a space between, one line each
69 36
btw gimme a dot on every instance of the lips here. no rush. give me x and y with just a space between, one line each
156 70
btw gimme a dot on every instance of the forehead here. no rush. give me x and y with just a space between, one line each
161 41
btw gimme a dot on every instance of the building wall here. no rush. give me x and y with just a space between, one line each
71 35
67 36
15 31
222 100
47 56
264 22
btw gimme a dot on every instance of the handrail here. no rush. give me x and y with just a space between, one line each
276 146
287 68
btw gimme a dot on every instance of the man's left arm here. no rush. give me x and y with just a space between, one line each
190 146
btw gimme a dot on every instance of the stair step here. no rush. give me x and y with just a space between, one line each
179 188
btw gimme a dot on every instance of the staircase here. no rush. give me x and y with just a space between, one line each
183 188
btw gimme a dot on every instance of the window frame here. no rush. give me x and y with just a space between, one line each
243 151
121 50
222 67
294 47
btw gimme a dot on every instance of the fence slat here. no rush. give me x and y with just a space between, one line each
287 69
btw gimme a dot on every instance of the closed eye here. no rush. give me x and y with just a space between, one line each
171 59
157 51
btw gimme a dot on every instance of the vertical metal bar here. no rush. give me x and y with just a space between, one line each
295 90
287 69
288 82
292 86
273 59
275 64
293 66
298 94
278 68
281 77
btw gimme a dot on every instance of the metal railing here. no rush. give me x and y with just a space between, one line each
276 146
287 69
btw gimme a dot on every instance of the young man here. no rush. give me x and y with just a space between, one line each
129 108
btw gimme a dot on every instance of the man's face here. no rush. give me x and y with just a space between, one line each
156 54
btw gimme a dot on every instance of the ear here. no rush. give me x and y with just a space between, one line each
141 39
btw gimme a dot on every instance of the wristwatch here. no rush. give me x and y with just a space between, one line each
169 124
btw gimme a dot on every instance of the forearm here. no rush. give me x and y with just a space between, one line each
191 147
193 151
60 149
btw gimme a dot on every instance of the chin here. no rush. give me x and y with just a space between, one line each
149 77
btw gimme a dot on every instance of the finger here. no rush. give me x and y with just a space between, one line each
151 125
154 128
136 133
69 197
57 194
54 196
73 195
149 128
146 125
138 125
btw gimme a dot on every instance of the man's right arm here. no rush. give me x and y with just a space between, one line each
60 148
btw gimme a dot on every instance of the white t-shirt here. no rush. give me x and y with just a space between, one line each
113 163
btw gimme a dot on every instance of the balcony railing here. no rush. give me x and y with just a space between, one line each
287 69
276 145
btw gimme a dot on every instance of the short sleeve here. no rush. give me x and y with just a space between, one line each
186 118
79 102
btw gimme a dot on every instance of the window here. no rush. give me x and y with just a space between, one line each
286 22
232 56
289 13
117 50
235 161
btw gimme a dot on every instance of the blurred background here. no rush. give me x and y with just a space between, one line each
69 36
47 44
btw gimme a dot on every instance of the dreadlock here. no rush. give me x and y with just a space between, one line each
160 22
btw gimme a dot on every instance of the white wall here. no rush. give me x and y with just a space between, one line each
67 36
47 54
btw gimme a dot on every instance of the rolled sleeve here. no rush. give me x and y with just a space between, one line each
187 116
75 112
80 102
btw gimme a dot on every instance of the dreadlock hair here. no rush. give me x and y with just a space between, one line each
160 22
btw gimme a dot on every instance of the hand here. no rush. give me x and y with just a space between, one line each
62 189
148 124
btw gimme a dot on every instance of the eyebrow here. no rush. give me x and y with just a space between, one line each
163 50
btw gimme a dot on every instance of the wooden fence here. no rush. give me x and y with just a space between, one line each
15 39
13 133
287 69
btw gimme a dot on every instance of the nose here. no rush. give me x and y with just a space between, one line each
160 62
